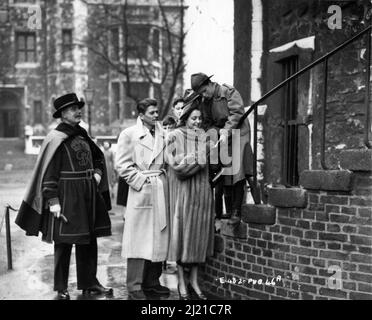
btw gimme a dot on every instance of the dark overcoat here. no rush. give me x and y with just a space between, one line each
223 112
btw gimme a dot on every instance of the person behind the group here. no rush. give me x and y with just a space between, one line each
222 109
191 200
169 123
140 161
67 199
177 107
111 172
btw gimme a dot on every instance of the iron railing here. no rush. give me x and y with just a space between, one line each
323 59
8 234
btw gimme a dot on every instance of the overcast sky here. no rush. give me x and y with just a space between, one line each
210 41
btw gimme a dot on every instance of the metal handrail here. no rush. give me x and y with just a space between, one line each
298 73
323 59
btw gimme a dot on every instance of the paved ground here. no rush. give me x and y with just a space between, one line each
32 274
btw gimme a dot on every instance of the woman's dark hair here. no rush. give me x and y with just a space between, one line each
169 121
144 104
194 106
177 100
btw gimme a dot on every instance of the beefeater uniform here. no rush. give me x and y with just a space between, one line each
63 174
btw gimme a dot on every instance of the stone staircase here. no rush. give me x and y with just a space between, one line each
351 161
300 233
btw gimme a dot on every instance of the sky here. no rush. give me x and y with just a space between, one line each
209 45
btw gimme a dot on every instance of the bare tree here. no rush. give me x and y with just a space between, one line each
146 45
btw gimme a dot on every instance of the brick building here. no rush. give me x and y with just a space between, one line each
44 53
312 236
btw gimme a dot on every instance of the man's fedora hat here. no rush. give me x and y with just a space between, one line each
198 79
65 101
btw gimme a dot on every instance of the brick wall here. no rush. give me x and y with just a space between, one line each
334 229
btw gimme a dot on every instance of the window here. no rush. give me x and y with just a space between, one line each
26 46
138 41
156 44
115 44
37 112
139 90
66 45
3 16
289 116
115 91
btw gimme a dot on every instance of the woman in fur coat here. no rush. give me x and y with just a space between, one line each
191 199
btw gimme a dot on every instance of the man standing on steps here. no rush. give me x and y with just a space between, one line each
222 109
140 161
68 199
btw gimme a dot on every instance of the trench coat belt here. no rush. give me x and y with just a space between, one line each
158 195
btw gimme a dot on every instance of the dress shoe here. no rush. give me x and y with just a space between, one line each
98 289
136 295
158 289
185 296
200 295
235 219
63 295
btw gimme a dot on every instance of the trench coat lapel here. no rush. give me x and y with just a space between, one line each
159 141
145 137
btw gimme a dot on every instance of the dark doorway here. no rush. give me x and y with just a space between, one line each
9 123
289 116
10 107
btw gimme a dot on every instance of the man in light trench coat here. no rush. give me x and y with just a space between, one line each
140 161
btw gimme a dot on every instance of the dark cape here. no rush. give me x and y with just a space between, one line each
34 215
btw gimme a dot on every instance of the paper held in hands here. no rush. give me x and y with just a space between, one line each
218 175
64 218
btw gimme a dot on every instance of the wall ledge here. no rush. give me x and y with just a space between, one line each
330 180
356 159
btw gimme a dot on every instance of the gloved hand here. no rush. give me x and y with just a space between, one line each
56 210
98 178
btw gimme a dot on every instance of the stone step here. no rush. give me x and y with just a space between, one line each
283 197
258 213
239 231
327 180
356 159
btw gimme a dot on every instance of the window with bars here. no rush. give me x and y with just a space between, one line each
289 116
38 118
66 45
26 46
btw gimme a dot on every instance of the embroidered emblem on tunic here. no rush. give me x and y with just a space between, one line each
82 150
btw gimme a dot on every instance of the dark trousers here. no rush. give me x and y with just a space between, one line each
218 200
234 196
142 273
86 265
